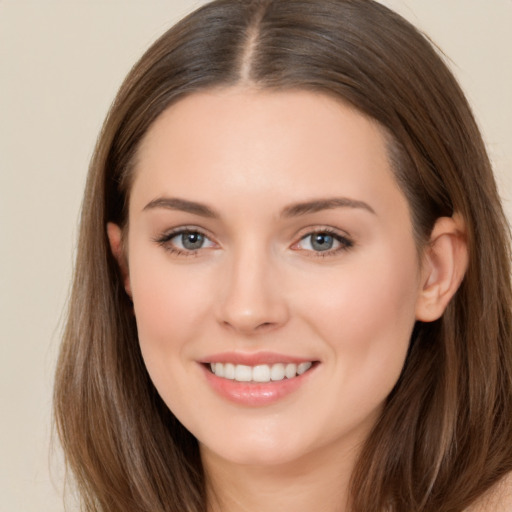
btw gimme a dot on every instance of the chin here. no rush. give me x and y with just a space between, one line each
255 452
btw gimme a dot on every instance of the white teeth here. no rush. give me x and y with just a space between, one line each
243 373
303 367
259 373
277 372
229 371
290 370
219 369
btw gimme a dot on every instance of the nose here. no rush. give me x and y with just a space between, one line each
252 299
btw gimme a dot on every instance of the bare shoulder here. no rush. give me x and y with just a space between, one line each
497 499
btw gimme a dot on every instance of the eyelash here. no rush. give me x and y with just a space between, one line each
345 242
165 239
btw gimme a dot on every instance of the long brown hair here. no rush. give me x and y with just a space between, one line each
445 434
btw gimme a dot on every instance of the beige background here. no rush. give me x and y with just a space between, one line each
60 65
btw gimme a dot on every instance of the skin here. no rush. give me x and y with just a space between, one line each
258 283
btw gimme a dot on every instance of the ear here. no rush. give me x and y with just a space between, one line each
444 264
115 237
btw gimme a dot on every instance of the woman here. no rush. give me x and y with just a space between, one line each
292 286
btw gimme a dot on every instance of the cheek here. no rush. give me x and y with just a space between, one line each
366 314
169 305
170 309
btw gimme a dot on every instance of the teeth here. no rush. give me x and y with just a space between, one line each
259 373
277 372
290 371
229 371
303 367
243 373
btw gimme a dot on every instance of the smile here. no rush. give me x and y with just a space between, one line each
257 380
259 373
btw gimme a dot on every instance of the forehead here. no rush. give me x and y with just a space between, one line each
238 142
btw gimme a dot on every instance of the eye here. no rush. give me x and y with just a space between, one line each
185 241
189 240
324 242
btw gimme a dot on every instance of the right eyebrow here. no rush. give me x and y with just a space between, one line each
174 203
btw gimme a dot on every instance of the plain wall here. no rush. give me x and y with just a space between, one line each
61 63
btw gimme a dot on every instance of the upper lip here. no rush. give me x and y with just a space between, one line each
254 359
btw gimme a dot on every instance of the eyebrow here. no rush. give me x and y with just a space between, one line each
318 205
174 203
294 210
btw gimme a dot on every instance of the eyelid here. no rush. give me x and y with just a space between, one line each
344 239
165 238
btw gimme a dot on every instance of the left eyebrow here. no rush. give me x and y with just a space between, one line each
318 205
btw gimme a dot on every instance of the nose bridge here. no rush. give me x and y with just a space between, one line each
252 298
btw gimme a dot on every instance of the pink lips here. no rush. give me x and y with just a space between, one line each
254 394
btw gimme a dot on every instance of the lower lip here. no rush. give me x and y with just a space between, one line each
255 393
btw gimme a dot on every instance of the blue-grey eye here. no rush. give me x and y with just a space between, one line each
322 241
185 241
190 240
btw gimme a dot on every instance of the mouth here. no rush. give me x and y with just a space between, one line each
257 380
261 373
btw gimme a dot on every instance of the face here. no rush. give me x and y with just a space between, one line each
273 271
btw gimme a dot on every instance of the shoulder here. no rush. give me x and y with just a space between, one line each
497 499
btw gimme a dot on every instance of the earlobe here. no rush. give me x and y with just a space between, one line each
115 238
445 263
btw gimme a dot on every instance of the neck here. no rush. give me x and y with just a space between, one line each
318 482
